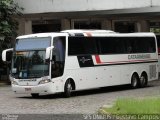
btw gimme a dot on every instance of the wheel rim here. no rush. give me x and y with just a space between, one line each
143 80
134 82
69 87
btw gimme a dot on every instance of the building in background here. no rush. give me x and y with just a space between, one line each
124 16
118 15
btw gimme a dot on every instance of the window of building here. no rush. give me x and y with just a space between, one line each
46 26
87 24
125 26
155 27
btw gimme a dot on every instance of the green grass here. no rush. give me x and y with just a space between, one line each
135 106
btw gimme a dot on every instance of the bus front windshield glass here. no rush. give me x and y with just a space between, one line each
29 58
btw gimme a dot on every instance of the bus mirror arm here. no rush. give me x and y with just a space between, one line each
7 57
48 52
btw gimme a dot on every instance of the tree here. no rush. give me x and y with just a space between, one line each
8 27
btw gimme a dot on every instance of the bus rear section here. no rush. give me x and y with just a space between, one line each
158 44
112 59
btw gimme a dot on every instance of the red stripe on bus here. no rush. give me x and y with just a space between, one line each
98 60
130 61
88 34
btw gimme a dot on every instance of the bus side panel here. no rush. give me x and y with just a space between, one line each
84 77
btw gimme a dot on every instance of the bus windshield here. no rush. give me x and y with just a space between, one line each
29 58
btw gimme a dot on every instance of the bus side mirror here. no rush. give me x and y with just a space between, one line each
48 52
7 55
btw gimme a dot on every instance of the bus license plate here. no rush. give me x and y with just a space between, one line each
27 89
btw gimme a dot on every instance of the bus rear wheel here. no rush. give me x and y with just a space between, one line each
143 80
68 89
134 81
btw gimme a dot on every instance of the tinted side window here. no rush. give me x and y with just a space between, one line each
106 45
140 45
125 45
111 45
151 44
81 45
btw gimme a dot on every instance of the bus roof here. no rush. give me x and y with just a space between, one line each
40 35
106 33
76 32
90 33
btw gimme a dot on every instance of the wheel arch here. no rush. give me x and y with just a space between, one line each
145 73
142 82
72 82
138 80
134 73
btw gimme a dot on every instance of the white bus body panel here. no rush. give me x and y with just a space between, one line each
111 71
109 75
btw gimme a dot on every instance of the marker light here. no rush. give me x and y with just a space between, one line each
44 81
14 82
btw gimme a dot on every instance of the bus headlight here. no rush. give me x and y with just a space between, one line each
44 81
14 82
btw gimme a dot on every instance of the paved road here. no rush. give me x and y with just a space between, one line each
85 102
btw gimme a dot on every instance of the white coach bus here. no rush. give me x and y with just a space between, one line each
75 60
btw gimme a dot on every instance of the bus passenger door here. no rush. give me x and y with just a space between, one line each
58 57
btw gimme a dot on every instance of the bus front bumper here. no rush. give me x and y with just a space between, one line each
47 88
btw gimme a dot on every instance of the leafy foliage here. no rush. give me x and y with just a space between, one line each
8 25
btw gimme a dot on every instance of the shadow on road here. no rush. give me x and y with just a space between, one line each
89 92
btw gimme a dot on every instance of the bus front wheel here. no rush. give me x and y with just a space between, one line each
68 89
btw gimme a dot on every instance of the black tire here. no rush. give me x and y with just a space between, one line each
35 95
135 81
143 80
68 89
